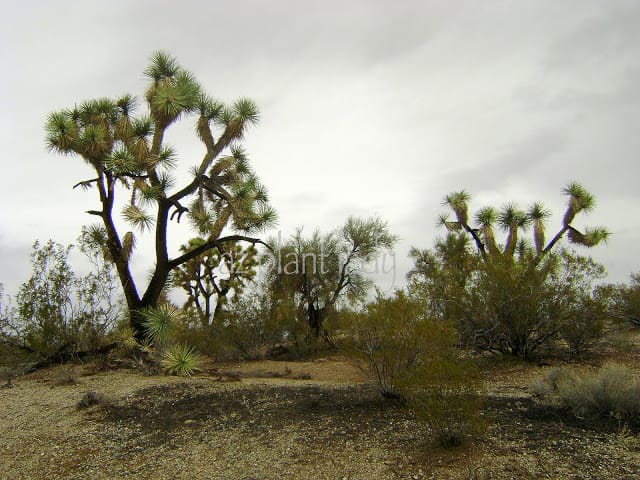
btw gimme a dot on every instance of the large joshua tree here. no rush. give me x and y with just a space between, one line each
513 221
133 166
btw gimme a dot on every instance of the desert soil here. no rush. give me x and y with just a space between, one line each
319 419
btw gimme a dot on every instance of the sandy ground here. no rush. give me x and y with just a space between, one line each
284 420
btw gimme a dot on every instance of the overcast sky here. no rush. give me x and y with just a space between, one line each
367 107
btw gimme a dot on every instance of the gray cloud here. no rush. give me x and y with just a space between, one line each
367 106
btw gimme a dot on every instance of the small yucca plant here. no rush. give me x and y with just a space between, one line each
181 359
125 338
160 323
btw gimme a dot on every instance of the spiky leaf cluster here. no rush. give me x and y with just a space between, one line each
161 322
513 221
181 359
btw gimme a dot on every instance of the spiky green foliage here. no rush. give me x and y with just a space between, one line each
181 359
538 215
459 203
513 221
591 236
137 217
128 152
487 218
161 322
580 200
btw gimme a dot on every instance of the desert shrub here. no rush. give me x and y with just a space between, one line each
624 300
583 325
58 312
256 321
66 376
7 374
124 336
181 359
413 360
518 305
393 339
581 307
91 398
446 394
613 392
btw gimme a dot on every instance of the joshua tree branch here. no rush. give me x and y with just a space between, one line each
85 183
217 243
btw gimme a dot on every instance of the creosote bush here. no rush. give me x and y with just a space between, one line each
446 394
390 335
413 360
58 312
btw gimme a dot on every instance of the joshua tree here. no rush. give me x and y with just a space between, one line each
506 296
512 220
130 157
209 278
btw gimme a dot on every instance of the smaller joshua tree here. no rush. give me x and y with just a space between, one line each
508 296
513 221
210 278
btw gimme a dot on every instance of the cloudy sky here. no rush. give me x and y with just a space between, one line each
367 107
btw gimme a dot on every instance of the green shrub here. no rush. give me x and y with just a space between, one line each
58 312
446 394
413 359
393 338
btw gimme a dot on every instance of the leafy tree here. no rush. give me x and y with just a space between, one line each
209 278
319 271
133 166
